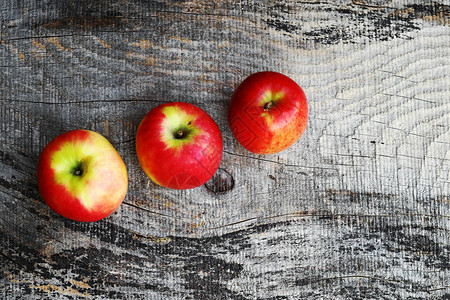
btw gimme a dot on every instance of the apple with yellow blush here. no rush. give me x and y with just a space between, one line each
268 112
179 145
81 176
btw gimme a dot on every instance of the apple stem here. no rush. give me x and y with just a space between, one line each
268 105
181 133
78 170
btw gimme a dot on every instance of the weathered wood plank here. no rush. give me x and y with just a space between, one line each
356 257
357 209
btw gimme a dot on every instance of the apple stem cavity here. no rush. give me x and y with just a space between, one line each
268 105
181 133
78 170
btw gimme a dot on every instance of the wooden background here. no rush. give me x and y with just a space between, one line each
358 208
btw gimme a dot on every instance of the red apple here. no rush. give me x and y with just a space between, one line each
179 145
81 176
268 112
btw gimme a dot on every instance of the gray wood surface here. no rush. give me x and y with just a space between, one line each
359 208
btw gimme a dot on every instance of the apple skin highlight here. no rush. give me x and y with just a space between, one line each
268 112
81 176
179 162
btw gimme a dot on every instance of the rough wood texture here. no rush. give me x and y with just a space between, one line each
359 208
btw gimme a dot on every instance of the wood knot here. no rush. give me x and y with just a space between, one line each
221 182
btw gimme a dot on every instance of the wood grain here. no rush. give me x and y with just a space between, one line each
358 208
